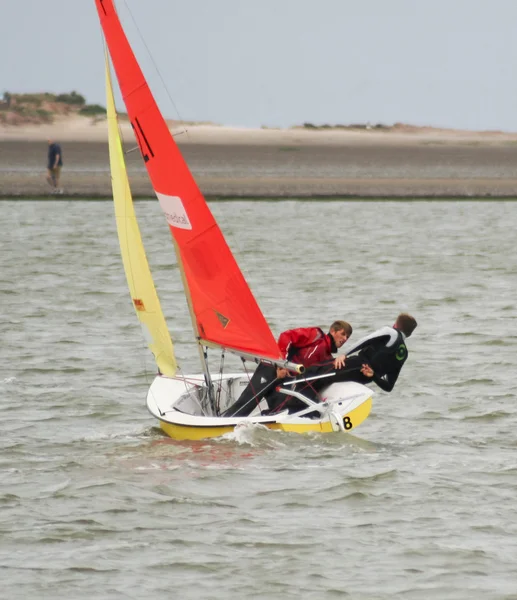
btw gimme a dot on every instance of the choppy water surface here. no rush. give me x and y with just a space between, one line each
420 503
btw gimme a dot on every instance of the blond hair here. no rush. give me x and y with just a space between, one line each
342 326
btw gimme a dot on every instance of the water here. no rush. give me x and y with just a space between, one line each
419 503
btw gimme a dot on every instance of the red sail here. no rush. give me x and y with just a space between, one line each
224 309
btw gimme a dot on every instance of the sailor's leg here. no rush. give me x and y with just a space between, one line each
351 371
261 381
326 373
316 378
321 375
278 402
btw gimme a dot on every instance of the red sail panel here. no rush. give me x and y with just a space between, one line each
222 304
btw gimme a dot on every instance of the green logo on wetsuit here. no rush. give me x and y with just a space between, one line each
401 352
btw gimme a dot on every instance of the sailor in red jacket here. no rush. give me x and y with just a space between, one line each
306 346
309 345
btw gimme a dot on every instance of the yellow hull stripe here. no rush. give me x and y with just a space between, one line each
184 432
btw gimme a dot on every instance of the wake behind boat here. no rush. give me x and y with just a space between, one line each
225 315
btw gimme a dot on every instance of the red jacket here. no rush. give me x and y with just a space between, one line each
306 345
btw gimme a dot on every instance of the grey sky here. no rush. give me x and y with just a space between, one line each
449 63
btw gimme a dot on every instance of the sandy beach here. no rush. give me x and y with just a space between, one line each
401 162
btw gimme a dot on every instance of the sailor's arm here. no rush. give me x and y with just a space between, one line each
292 337
385 382
339 361
285 341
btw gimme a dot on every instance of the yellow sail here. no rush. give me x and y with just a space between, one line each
138 273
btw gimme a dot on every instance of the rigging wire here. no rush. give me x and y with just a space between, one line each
180 118
208 382
220 386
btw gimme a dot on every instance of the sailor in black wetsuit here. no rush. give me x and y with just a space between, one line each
381 355
377 358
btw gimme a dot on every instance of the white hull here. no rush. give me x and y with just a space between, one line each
176 403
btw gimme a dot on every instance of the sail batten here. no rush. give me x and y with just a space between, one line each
138 274
213 281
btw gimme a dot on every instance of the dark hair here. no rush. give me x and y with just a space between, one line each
340 326
406 323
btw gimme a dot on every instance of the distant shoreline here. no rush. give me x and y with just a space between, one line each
406 163
85 129
210 199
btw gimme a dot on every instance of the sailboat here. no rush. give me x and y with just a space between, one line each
224 313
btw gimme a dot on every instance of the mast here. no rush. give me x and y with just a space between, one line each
202 354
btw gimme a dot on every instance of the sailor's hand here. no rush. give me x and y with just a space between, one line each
367 370
281 373
339 361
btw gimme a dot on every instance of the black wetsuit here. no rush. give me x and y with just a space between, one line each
385 351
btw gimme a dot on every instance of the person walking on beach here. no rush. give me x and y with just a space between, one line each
54 164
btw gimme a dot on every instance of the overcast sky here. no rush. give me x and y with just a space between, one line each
277 63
